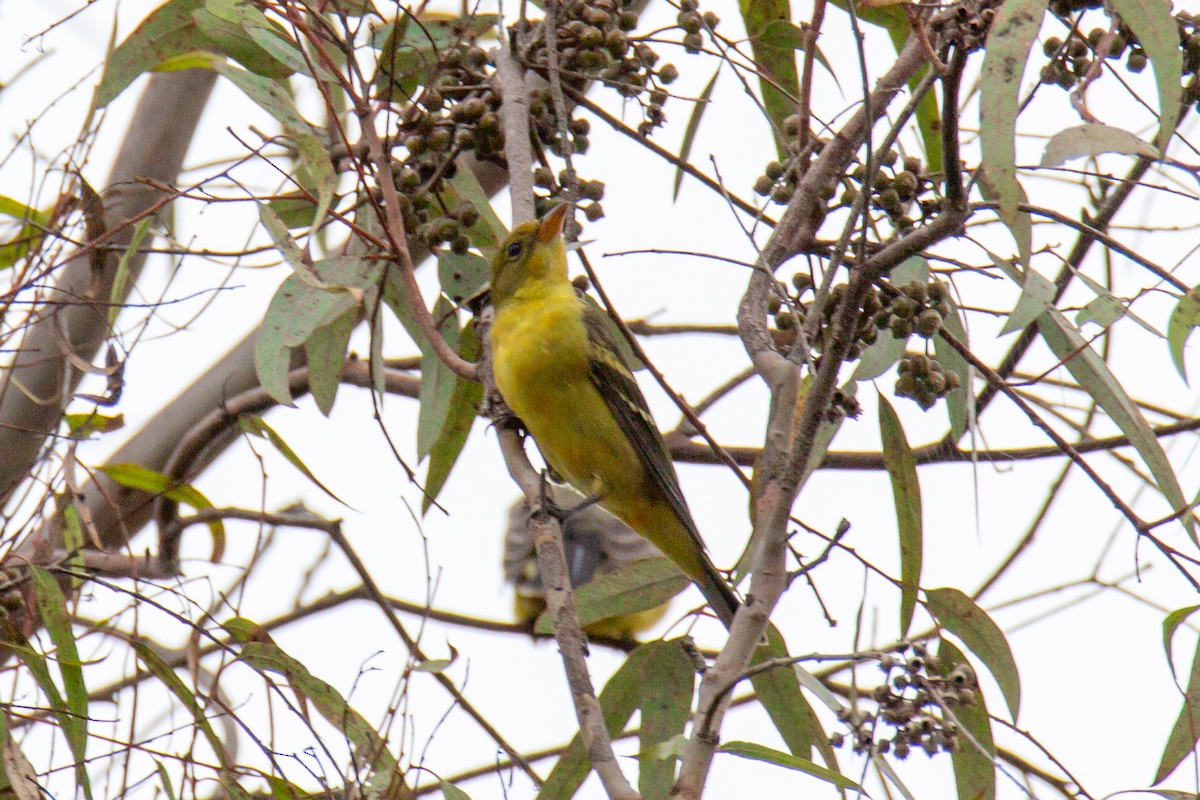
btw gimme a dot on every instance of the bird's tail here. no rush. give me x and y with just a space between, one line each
718 593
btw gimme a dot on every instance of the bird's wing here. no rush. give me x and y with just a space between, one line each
624 399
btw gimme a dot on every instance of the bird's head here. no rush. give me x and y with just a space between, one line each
533 251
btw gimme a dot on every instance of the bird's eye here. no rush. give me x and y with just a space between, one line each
514 250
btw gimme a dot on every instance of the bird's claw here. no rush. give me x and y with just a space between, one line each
563 515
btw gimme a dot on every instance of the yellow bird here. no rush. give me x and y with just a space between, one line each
559 369
596 543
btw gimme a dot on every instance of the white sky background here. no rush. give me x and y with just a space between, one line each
1097 691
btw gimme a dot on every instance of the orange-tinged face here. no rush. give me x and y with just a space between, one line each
533 250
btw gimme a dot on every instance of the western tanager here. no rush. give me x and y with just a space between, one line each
560 370
595 542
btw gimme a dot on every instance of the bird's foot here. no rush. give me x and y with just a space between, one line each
558 512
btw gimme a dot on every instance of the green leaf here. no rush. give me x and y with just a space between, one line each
1037 296
1171 623
1185 733
885 769
285 790
21 212
1013 33
906 492
164 779
784 35
82 426
1102 311
257 426
117 296
273 97
639 586
195 59
887 349
462 276
28 237
35 662
135 476
888 17
1092 139
301 306
693 125
379 379
52 605
668 680
268 94
1185 317
778 80
957 613
625 692
395 294
452 792
958 401
325 352
316 172
460 417
187 697
16 768
758 752
1158 33
264 656
168 31
437 380
221 22
778 691
292 253
272 39
893 20
294 209
929 123
974 768
72 533
1094 377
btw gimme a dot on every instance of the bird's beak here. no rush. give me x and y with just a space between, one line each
552 224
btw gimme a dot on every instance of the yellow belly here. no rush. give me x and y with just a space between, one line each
541 366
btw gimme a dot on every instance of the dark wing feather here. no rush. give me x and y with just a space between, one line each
624 399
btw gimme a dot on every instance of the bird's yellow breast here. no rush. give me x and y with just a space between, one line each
539 338
540 359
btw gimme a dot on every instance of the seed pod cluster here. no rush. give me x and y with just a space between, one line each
924 380
454 112
842 405
458 112
967 27
916 308
780 179
596 43
789 317
543 122
900 186
910 706
1069 60
693 24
